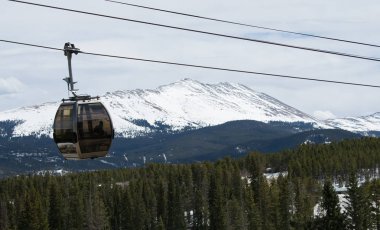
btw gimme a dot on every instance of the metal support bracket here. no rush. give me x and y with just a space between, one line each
69 50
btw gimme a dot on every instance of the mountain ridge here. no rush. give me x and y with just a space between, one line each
182 105
363 124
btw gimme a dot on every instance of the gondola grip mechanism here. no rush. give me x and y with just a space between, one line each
70 49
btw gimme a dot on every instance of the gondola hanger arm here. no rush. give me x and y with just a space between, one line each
69 49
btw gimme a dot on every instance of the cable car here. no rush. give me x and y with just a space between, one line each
82 125
83 129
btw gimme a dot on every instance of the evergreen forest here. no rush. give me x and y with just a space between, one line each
293 189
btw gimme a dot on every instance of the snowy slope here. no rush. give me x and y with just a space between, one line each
357 124
179 105
189 103
33 120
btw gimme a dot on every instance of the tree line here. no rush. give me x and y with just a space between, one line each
227 194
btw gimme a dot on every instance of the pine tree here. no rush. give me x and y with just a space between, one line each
259 184
101 215
236 216
76 211
139 209
333 218
302 204
265 203
218 219
176 210
127 211
253 214
358 205
200 200
3 213
375 200
186 188
33 216
55 207
162 202
112 200
151 204
284 203
160 225
96 212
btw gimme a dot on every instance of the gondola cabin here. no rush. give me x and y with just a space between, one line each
83 129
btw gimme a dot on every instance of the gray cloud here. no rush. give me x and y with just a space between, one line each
43 70
10 85
323 115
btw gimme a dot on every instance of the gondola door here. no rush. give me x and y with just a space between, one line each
65 130
94 129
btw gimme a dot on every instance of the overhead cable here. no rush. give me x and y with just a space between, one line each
244 24
28 44
200 66
205 32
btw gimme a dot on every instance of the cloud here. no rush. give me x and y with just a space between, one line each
323 115
45 69
10 85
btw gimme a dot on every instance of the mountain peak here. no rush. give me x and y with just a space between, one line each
186 82
183 104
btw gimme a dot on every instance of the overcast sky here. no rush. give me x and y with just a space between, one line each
30 76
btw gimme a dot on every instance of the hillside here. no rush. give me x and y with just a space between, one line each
259 191
30 154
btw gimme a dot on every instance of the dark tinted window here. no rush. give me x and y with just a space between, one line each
63 124
64 134
94 128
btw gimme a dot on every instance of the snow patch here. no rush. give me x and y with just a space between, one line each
108 163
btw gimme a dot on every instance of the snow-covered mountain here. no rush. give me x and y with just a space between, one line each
180 105
189 103
183 104
362 124
32 120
